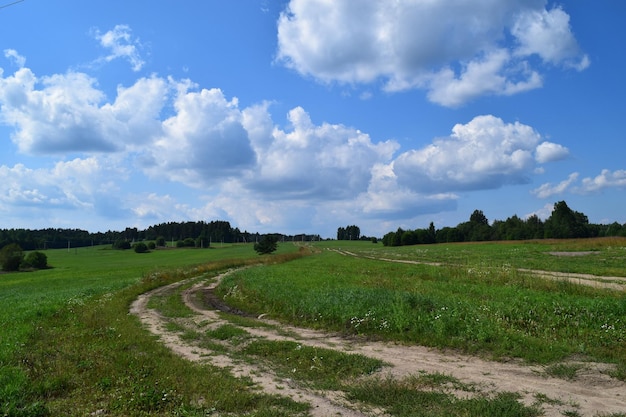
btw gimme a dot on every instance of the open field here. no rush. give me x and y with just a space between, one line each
69 346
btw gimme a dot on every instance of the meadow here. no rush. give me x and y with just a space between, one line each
69 347
477 301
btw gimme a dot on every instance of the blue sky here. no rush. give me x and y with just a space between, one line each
303 116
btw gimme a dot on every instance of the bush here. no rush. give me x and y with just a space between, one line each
151 245
37 260
160 241
11 256
267 245
121 244
141 247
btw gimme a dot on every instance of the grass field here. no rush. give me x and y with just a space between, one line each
478 302
69 347
64 296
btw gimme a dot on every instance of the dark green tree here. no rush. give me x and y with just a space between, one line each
267 245
566 223
141 247
37 260
121 244
11 256
352 232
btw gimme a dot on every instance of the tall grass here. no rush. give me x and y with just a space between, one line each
480 310
69 346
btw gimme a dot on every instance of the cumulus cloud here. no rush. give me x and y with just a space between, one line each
65 113
69 184
204 139
543 213
548 190
120 43
606 179
254 170
456 51
482 154
547 33
329 161
549 152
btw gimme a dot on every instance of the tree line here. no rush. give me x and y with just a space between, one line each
53 238
192 233
563 223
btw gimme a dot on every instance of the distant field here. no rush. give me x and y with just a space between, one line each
67 341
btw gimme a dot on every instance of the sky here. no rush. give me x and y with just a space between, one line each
303 116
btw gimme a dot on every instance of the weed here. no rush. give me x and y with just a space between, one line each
234 334
402 398
563 371
322 368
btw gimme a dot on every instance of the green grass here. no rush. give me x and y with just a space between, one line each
497 312
563 371
606 258
321 368
234 334
419 396
68 345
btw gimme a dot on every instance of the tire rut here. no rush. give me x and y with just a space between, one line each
592 393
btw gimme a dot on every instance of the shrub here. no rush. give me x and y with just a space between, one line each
11 257
267 245
141 247
151 245
121 244
160 241
37 260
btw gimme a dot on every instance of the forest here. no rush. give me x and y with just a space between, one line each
563 223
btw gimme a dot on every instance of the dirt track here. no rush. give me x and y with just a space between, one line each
592 393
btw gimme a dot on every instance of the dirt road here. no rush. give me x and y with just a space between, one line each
591 393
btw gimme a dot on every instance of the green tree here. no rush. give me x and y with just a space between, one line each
267 245
141 247
566 223
11 256
121 244
352 232
37 260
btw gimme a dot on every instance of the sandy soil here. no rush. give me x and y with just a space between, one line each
591 393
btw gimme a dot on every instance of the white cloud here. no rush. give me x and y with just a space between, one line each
543 213
457 51
17 59
254 172
549 152
482 154
121 44
71 184
203 141
64 113
548 34
548 190
606 179
327 161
